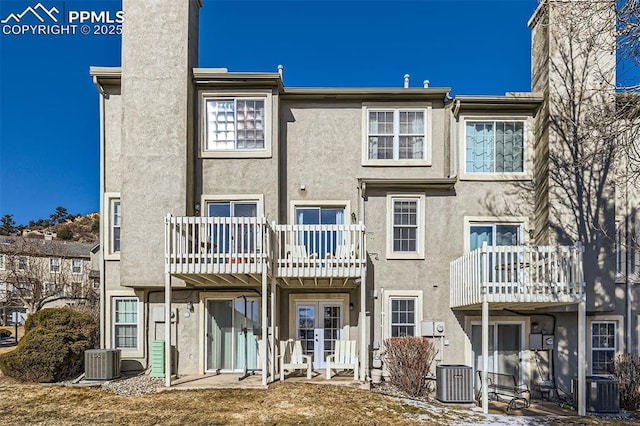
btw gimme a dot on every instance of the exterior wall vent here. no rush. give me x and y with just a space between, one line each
454 383
101 364
603 394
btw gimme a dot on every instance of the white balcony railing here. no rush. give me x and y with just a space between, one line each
216 245
318 251
518 274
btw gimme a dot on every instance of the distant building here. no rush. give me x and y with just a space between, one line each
42 273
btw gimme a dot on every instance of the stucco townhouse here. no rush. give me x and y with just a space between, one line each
240 212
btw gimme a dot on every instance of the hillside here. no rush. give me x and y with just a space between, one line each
83 229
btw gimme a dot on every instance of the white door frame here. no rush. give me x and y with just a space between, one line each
231 297
319 347
319 300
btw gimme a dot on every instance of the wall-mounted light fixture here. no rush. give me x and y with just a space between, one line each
351 306
197 209
353 217
303 187
190 306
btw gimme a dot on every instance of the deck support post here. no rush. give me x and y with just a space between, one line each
273 331
363 325
167 329
582 365
485 354
265 327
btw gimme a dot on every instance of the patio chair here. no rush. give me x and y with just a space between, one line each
343 358
292 358
298 256
344 255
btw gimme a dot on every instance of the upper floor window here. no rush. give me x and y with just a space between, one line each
396 134
495 234
232 208
233 236
76 266
114 231
54 264
23 263
235 124
406 227
322 240
495 146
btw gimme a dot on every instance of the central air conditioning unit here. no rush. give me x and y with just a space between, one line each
101 364
603 394
454 383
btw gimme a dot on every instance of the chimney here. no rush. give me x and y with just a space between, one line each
406 81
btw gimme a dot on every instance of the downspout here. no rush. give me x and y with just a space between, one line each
101 261
453 142
167 310
628 241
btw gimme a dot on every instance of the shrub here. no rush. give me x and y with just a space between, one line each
408 361
627 369
5 333
52 348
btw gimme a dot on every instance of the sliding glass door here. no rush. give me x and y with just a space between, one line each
232 343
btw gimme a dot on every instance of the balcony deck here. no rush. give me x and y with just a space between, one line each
199 249
517 276
320 251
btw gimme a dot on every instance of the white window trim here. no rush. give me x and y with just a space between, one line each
401 294
209 198
495 220
133 351
428 130
270 116
293 204
619 343
81 266
527 148
108 199
51 265
420 243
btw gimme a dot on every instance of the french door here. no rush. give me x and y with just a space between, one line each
231 344
318 326
506 348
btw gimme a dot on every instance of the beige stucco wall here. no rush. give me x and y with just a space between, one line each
156 104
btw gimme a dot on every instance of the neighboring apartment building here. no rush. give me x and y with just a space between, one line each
319 214
45 273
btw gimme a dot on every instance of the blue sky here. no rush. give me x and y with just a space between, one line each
49 128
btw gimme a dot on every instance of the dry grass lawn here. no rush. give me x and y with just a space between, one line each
282 404
288 403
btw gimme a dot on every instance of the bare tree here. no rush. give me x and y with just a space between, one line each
589 128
